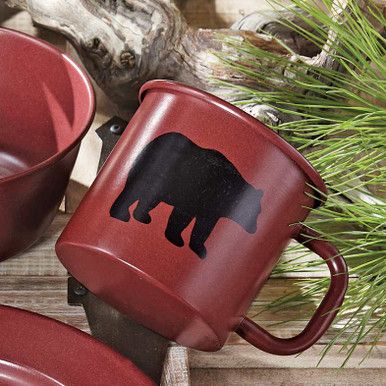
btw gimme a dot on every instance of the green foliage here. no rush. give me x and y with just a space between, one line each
339 123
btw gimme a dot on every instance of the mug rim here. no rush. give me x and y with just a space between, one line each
89 116
274 138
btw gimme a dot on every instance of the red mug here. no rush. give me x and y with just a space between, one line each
189 215
46 107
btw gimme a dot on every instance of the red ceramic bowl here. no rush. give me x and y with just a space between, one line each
36 350
46 107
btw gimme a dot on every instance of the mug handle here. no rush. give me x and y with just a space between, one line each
324 314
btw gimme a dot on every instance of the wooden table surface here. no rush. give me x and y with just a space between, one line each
36 280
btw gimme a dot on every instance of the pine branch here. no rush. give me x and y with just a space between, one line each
337 101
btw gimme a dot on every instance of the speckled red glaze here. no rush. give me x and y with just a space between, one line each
39 351
46 107
198 302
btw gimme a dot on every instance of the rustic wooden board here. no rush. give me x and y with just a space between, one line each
37 281
288 377
244 356
39 260
176 370
219 13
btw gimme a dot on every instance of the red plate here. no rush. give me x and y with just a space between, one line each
35 350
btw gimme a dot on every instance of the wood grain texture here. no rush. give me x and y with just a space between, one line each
176 371
243 356
288 377
40 260
218 13
125 43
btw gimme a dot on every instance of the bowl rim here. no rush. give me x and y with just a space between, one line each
33 331
89 116
310 172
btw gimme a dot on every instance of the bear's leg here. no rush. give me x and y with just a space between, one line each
141 212
120 208
200 233
178 221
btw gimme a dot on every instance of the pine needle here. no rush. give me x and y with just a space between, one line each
339 122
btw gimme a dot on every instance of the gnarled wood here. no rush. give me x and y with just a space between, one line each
123 43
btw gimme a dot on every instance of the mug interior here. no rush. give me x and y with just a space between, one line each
46 103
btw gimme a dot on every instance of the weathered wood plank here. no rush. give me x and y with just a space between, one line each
44 295
47 294
218 13
246 356
288 377
40 260
176 371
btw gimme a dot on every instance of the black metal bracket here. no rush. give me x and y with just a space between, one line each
109 133
145 348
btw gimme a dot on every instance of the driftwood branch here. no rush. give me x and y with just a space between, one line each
123 43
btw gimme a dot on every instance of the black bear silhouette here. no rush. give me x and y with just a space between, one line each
200 183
